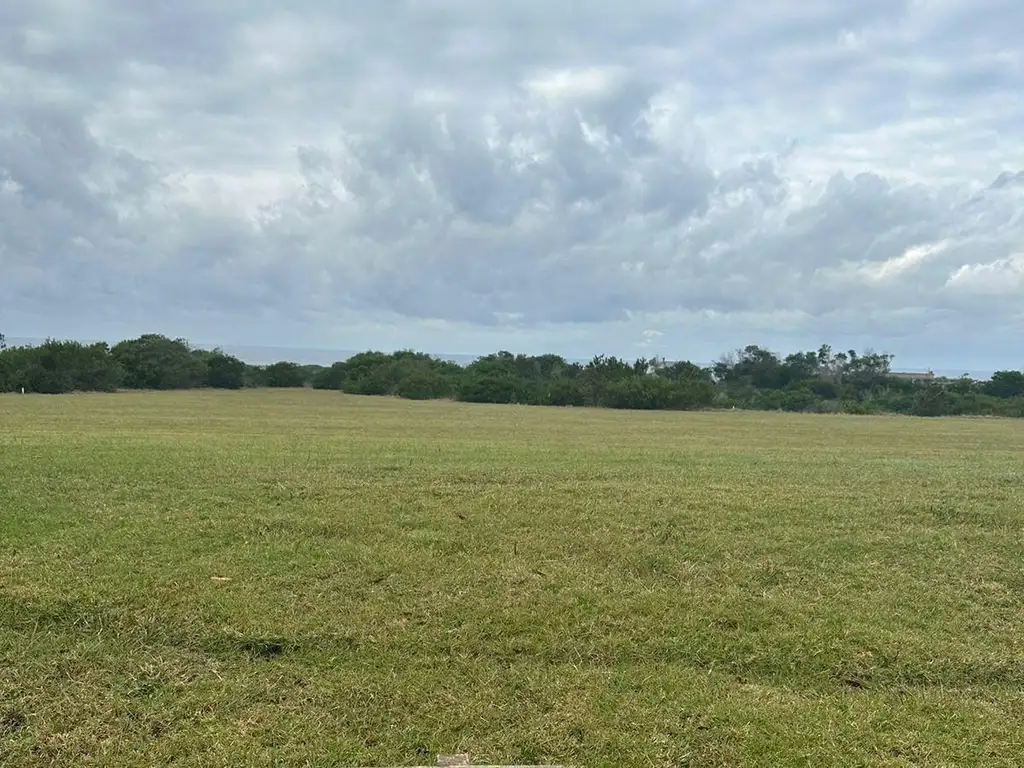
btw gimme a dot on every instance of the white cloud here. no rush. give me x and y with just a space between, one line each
893 268
569 85
669 178
1002 277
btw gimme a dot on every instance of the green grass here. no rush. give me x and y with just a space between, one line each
305 578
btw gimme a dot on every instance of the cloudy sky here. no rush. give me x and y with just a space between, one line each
671 177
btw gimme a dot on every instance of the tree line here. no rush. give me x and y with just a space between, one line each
821 381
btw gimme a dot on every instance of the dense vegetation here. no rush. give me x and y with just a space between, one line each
753 378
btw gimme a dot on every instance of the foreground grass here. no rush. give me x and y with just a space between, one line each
299 578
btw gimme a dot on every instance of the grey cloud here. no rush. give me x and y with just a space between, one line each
512 166
1008 179
47 153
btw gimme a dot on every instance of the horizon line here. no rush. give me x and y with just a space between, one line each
451 356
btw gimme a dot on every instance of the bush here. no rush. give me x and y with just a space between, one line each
59 366
284 374
932 400
153 361
563 391
330 378
768 400
488 388
368 382
423 385
225 371
799 399
827 390
643 393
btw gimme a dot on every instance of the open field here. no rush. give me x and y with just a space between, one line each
305 578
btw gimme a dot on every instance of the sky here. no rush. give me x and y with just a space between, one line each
658 177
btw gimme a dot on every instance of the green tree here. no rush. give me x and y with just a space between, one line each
542 368
563 391
1005 384
332 377
642 393
97 370
867 372
153 361
284 374
801 366
423 384
824 388
932 400
752 377
683 370
752 366
55 367
599 375
491 379
799 397
224 371
489 387
16 365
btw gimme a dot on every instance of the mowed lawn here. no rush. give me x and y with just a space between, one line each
307 578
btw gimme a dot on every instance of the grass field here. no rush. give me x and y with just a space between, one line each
306 578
